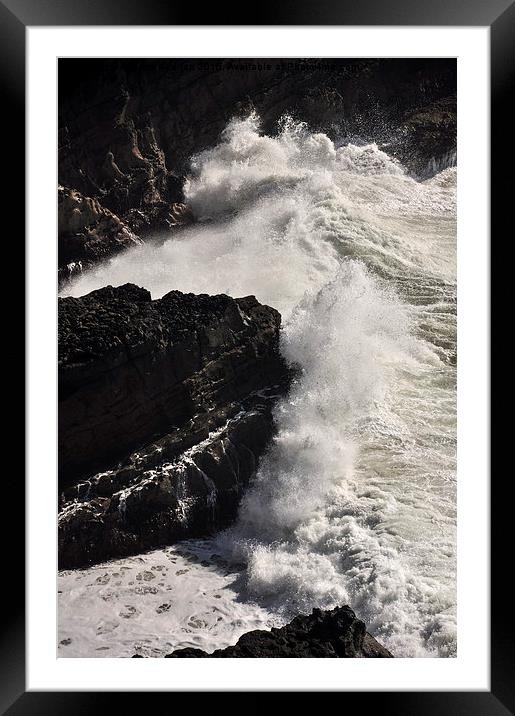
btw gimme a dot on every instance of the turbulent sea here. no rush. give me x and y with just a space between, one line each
355 500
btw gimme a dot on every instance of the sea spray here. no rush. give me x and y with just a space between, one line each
343 339
355 500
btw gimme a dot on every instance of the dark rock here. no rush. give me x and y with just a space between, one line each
131 369
323 634
426 139
160 494
164 410
87 232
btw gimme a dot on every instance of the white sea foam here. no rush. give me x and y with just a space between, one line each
355 500
152 604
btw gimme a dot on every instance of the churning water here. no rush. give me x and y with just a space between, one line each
355 501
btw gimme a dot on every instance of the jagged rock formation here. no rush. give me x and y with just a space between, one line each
164 409
87 232
127 128
323 634
116 157
426 139
166 491
131 368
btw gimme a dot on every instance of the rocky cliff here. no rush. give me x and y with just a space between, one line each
88 232
164 409
127 128
335 634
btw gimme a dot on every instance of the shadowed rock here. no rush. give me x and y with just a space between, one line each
322 634
164 410
131 369
162 494
87 232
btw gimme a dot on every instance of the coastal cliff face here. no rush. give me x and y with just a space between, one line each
87 232
164 410
127 128
334 634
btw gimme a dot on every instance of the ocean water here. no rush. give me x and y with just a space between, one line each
355 500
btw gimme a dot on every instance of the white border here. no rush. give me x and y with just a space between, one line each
470 670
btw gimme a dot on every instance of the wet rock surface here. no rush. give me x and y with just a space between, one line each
162 494
164 410
322 634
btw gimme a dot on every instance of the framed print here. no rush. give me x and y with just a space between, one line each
258 301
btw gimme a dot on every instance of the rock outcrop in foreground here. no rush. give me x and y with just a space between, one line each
335 634
131 369
164 410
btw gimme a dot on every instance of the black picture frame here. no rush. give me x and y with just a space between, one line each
15 17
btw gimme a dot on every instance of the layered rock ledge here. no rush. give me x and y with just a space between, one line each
87 232
335 634
164 410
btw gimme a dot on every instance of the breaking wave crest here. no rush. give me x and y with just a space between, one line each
355 500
